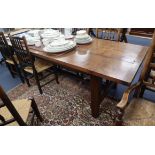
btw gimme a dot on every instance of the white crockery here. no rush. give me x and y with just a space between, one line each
50 33
82 37
33 33
57 49
59 43
32 40
38 43
85 36
81 32
83 40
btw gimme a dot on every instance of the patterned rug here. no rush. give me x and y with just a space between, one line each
68 103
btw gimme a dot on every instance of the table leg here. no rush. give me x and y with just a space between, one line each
95 84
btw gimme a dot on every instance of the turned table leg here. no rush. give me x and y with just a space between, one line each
95 95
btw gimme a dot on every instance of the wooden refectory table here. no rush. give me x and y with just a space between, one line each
113 61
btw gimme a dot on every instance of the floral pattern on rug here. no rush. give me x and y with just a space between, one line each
68 103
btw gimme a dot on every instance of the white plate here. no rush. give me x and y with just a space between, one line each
58 50
82 36
71 45
59 43
50 31
50 35
84 41
81 32
32 42
33 33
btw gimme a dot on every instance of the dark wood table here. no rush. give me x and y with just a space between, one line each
114 61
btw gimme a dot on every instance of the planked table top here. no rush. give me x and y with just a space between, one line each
115 61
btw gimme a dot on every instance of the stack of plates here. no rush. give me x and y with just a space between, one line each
47 41
32 36
60 46
81 32
50 33
34 33
32 40
82 37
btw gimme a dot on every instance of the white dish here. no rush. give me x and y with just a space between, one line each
61 47
46 41
71 45
84 41
30 43
81 32
58 50
50 31
49 40
38 44
59 43
33 33
50 35
32 40
85 36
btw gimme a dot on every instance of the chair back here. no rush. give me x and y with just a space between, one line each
112 34
146 66
145 74
5 49
21 49
8 104
153 42
149 61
